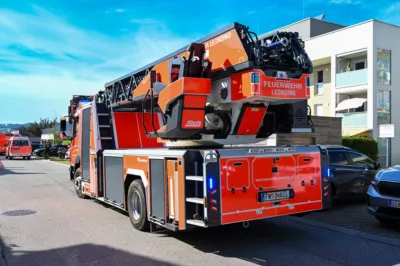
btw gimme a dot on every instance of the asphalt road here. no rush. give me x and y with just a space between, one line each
66 230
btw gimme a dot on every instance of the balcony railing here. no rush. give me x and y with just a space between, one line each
358 119
352 78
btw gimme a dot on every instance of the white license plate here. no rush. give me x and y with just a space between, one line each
394 204
274 195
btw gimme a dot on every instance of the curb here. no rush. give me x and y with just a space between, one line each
55 162
347 231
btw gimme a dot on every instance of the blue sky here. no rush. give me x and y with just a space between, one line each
50 50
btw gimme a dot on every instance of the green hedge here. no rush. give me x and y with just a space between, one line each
366 145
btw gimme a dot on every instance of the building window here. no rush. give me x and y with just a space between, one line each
383 66
358 65
383 111
320 83
318 110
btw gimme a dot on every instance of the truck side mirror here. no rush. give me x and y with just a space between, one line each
63 125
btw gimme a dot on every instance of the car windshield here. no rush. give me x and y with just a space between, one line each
20 143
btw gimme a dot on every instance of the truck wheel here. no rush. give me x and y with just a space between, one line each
78 184
137 208
29 157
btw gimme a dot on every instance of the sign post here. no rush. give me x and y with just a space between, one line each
386 131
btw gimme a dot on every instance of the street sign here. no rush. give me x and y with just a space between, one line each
386 131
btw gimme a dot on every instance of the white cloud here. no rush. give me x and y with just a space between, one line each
394 8
251 12
72 60
354 2
391 14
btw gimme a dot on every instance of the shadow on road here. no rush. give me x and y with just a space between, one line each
9 171
256 244
84 254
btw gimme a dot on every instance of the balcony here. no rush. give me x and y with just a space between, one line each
352 78
358 119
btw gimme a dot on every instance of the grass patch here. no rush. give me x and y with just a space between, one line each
58 160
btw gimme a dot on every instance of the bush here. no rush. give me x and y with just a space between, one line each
365 145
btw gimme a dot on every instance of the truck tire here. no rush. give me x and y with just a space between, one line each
78 184
137 208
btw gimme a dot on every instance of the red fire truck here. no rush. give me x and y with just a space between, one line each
154 141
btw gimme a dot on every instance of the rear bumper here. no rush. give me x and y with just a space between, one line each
270 212
379 205
20 154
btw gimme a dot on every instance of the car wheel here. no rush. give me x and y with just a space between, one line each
29 157
137 209
387 222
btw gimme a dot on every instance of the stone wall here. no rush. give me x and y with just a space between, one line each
327 131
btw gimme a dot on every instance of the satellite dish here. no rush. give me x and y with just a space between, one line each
320 17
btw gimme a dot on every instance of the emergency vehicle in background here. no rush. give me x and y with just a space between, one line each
155 141
4 138
19 146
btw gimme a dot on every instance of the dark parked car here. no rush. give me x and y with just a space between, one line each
351 171
384 196
52 152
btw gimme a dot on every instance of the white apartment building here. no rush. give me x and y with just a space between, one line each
355 76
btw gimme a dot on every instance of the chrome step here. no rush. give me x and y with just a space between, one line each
195 200
195 177
196 222
104 125
108 138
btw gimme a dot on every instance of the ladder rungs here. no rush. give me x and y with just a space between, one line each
195 200
195 178
196 222
104 125
106 138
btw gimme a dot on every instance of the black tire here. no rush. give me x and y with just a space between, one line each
29 157
6 157
386 222
79 192
62 156
138 219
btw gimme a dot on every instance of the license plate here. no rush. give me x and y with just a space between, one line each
394 204
273 195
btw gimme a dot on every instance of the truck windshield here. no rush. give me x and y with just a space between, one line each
20 143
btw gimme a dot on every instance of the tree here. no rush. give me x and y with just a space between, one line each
35 129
